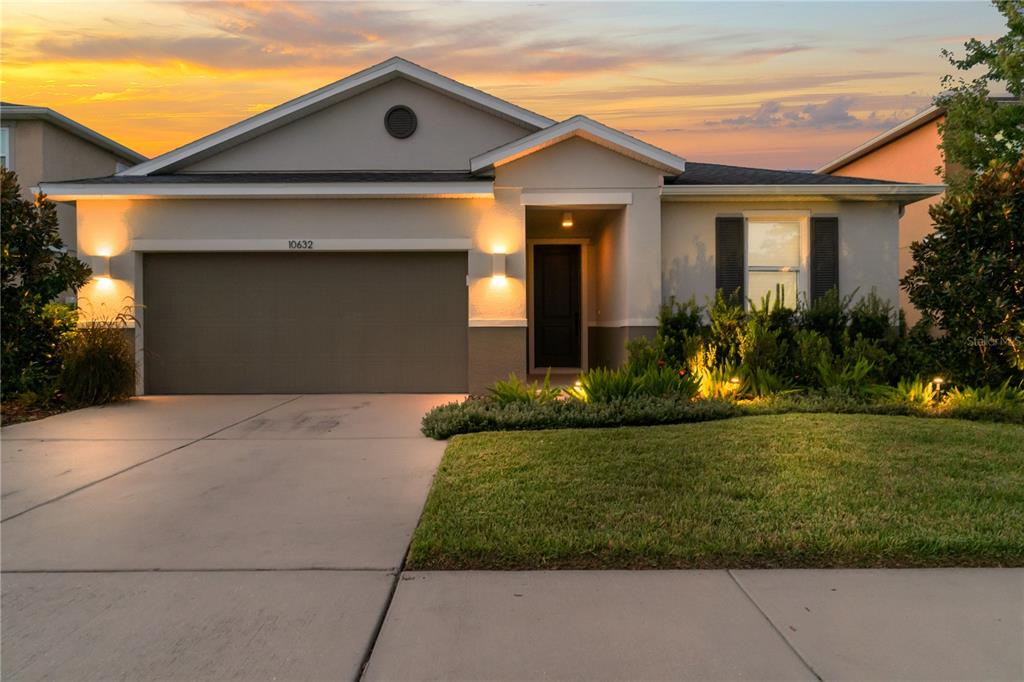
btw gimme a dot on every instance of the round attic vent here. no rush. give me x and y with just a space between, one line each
400 121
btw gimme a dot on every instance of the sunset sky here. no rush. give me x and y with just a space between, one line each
782 85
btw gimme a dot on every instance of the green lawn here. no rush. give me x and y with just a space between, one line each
783 490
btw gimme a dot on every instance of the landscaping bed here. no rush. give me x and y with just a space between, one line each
789 490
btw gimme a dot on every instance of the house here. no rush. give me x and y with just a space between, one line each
400 231
38 143
908 152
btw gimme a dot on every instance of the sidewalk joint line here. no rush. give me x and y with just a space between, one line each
782 635
145 461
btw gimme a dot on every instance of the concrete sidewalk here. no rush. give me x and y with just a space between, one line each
952 624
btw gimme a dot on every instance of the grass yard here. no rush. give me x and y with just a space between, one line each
790 490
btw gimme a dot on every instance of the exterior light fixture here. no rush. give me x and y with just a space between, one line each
937 382
100 266
734 381
498 265
567 219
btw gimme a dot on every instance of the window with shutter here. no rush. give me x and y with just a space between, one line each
824 256
729 257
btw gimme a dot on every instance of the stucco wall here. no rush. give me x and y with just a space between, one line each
910 158
42 151
868 238
350 135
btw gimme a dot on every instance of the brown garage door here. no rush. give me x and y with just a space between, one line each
305 322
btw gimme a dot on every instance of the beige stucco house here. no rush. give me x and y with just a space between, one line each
400 231
38 143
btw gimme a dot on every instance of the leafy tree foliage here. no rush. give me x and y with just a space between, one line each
968 275
977 128
35 269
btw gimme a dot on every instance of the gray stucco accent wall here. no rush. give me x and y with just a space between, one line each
494 353
608 344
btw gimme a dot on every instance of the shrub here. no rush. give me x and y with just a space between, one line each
35 269
644 354
514 390
1004 396
829 316
848 379
681 329
99 362
481 414
716 381
664 382
914 391
968 275
726 324
602 385
810 350
760 383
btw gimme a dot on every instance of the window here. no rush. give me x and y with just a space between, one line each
775 258
4 150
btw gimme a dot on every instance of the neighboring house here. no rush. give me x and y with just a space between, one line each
39 144
400 231
908 152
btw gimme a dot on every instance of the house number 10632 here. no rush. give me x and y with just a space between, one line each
300 243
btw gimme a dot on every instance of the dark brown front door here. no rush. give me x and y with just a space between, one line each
556 304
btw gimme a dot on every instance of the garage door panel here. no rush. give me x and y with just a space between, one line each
322 322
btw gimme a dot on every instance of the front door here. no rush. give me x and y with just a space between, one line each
556 303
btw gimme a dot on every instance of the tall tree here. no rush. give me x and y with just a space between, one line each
968 276
35 269
978 128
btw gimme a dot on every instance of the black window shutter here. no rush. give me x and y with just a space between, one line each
824 256
729 257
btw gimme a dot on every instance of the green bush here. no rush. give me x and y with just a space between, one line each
602 385
481 414
664 382
514 390
99 362
916 391
35 269
848 379
681 330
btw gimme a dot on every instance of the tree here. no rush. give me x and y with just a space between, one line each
35 269
979 129
968 275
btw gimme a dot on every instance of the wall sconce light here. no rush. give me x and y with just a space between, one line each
567 219
100 266
498 266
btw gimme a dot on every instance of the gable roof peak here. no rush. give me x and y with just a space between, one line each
589 129
330 94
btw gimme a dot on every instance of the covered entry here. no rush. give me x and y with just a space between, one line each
305 322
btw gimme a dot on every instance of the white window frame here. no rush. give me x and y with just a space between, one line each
5 146
803 270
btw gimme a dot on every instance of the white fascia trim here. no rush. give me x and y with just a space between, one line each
588 129
69 191
629 322
902 191
338 91
281 244
499 322
899 130
20 112
576 198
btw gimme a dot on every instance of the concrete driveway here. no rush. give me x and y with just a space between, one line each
241 537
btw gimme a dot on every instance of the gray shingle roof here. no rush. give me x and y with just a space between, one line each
718 174
256 178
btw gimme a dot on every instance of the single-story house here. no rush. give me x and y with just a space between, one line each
400 231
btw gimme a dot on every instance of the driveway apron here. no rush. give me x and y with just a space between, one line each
198 537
